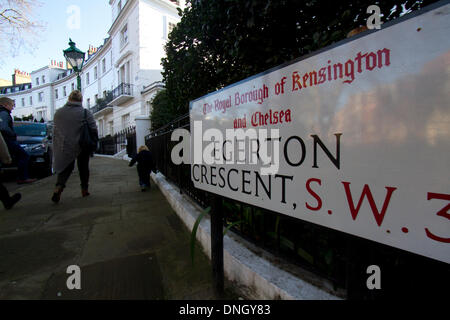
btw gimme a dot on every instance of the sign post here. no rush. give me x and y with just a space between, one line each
217 242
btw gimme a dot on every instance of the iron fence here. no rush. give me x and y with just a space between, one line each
125 139
339 257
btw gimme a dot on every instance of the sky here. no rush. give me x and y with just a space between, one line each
61 20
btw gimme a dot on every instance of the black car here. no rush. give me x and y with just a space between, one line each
36 139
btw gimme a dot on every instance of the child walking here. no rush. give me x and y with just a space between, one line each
144 166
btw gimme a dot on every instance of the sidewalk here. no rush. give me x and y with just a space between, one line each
129 244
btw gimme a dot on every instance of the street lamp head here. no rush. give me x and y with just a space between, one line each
74 56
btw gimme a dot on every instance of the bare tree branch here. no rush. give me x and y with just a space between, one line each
19 28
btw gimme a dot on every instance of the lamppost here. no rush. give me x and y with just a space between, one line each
75 57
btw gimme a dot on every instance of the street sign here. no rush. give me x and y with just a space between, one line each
355 138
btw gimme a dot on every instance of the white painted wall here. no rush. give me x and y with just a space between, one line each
152 38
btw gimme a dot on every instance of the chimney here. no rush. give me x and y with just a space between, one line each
20 77
92 50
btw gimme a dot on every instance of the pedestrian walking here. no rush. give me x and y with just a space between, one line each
18 154
145 165
5 158
67 126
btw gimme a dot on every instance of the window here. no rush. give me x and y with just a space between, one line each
56 93
43 79
125 121
73 86
148 107
96 98
64 91
124 36
100 128
88 103
95 73
87 78
31 101
103 65
119 6
40 96
111 127
104 94
23 102
37 81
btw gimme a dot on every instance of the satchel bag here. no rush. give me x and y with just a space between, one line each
5 157
87 142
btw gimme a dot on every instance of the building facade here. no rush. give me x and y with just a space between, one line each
119 79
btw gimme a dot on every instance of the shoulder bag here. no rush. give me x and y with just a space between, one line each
87 142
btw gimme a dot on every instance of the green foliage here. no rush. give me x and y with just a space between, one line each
28 118
24 118
231 225
218 43
162 111
194 231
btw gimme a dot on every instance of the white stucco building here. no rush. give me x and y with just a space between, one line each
118 79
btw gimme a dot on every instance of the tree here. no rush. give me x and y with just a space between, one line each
162 111
18 27
218 43
27 118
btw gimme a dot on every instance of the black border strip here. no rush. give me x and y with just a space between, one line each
391 23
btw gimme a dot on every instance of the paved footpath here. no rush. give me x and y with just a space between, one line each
128 244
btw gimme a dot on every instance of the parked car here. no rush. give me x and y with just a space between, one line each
36 139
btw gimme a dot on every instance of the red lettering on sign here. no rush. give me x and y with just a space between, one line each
319 200
379 216
442 213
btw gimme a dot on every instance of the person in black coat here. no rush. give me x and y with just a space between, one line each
5 158
19 155
144 166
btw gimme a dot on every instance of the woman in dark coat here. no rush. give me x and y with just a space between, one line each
67 126
144 166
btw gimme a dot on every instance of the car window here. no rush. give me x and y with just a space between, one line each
30 129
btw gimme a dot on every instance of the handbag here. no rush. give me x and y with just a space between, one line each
5 157
87 141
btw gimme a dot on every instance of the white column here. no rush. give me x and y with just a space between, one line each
142 129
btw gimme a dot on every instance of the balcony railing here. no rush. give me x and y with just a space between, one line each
103 103
122 93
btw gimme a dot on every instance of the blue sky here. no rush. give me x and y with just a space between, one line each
60 19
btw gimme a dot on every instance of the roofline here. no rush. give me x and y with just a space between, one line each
120 15
16 93
59 81
166 3
152 86
97 54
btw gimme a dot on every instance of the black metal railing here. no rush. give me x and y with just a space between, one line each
341 258
102 103
123 89
125 139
